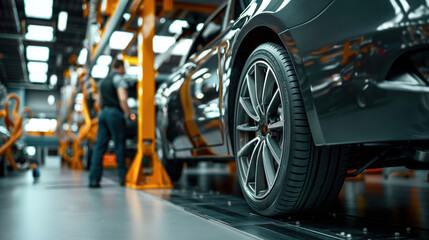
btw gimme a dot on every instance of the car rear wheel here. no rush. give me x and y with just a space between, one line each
280 170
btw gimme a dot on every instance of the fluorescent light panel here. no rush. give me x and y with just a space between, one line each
120 39
37 67
104 60
40 33
38 77
62 21
41 124
162 43
99 71
177 26
38 8
83 55
37 53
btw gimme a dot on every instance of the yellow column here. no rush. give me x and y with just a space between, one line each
137 177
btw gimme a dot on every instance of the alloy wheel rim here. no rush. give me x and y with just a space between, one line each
259 130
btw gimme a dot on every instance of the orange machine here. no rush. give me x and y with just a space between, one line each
88 130
15 126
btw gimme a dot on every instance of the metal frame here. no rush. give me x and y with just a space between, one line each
136 176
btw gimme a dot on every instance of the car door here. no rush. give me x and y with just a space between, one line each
201 91
196 103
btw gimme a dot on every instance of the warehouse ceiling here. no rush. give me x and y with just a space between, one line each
19 29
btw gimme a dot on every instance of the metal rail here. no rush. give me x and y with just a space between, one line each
109 28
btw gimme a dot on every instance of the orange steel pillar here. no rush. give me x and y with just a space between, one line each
138 177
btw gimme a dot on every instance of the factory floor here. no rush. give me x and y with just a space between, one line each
205 204
61 206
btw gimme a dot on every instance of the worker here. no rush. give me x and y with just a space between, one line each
112 99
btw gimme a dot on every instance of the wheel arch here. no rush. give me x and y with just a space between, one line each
245 45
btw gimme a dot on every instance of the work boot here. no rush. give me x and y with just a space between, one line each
94 185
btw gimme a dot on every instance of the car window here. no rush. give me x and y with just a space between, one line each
239 7
211 29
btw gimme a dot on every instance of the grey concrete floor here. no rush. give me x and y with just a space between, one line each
60 206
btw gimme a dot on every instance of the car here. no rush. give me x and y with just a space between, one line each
299 92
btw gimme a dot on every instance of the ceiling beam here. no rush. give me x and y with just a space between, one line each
111 25
20 42
31 86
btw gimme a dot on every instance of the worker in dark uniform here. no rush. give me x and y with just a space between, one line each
114 107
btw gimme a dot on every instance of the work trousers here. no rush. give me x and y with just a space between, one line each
110 126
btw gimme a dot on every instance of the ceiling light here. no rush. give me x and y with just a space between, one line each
51 100
37 53
53 80
83 55
40 33
200 26
37 67
38 77
99 71
126 16
104 60
62 21
40 125
38 8
177 26
182 47
162 43
119 40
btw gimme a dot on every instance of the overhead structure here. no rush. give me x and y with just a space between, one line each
118 9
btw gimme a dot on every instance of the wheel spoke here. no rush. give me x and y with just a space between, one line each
274 148
274 103
270 172
253 162
276 126
247 128
252 93
259 84
260 181
246 148
248 108
268 87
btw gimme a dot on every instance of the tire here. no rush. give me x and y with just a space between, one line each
280 170
173 166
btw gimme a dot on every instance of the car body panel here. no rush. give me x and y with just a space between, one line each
334 75
341 50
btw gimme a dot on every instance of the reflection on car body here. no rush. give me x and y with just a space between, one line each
298 95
